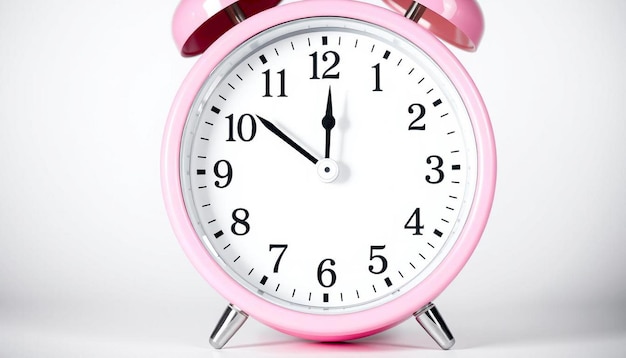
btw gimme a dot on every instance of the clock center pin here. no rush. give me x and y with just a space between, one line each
328 170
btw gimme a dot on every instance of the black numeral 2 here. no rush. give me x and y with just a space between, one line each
421 112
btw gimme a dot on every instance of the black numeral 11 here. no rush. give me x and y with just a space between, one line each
268 92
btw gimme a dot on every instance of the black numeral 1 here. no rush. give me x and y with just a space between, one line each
376 68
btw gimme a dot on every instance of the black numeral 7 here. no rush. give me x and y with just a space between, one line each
280 256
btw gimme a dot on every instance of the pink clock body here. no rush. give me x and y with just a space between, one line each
332 327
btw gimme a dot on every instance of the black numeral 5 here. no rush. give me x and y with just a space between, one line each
380 258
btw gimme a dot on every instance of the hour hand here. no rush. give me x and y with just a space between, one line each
280 134
328 122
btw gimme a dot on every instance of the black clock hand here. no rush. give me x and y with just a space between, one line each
269 125
328 122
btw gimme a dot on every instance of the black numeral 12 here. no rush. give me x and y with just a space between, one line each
325 57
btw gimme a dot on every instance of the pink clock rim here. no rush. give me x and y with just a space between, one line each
340 326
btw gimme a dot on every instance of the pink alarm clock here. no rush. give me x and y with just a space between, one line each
328 166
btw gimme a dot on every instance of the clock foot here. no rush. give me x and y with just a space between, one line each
232 319
430 319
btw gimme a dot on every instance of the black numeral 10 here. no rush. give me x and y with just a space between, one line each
246 128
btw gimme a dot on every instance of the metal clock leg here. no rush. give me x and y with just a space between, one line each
429 318
232 319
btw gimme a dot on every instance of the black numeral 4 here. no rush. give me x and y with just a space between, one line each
414 223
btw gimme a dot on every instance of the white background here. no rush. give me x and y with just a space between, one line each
89 266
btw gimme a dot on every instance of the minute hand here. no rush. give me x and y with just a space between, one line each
269 125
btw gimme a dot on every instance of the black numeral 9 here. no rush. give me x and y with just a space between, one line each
220 167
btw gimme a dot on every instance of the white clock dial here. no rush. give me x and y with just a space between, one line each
328 165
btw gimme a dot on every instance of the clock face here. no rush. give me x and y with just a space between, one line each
328 165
